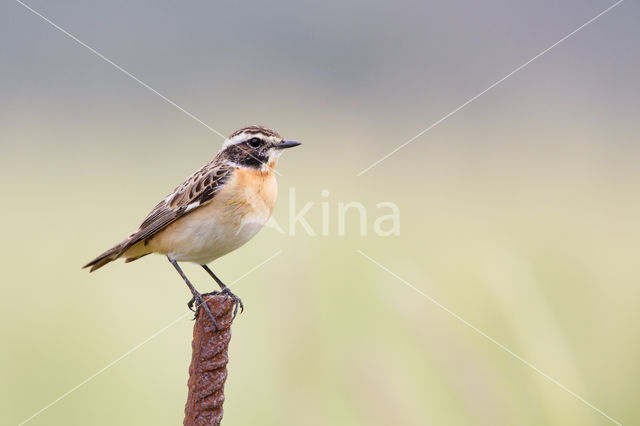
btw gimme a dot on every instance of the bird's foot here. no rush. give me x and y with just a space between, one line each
237 301
198 300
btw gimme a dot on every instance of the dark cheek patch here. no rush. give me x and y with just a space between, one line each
248 157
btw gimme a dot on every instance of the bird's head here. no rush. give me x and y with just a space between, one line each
254 147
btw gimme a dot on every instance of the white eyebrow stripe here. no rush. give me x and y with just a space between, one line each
242 137
234 140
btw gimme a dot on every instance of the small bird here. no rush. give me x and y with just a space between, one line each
216 210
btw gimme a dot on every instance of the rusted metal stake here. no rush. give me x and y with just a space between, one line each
208 369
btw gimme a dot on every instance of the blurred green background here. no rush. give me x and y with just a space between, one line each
519 213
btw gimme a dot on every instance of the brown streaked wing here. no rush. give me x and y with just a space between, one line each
198 189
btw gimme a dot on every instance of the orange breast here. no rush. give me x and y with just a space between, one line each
230 219
256 188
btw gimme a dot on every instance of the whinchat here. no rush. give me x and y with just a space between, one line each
216 210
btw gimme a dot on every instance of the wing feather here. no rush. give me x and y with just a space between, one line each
197 190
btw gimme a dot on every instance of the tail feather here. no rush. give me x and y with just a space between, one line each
108 256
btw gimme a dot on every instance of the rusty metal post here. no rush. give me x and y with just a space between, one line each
208 369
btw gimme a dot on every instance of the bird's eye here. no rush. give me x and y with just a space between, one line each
255 142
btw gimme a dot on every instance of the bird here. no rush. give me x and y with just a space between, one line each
214 211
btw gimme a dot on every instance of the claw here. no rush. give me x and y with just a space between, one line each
236 299
226 291
199 301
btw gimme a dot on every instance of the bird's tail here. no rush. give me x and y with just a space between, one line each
110 255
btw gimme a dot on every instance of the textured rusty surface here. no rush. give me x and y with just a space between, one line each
208 370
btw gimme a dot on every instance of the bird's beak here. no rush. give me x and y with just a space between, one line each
287 144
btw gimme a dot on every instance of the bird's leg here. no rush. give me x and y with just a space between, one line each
197 297
225 290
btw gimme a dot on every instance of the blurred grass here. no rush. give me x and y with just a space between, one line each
519 213
548 268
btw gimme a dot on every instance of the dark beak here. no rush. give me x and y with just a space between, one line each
287 144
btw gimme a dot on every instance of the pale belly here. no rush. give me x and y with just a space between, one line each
206 240
231 219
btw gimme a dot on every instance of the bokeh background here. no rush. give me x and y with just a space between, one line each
519 213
